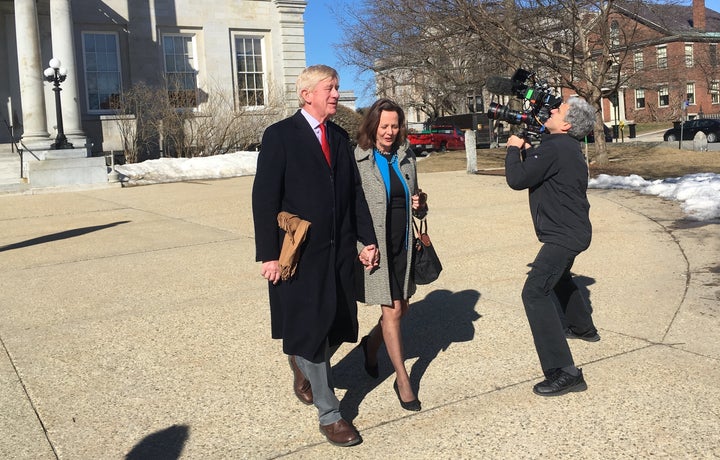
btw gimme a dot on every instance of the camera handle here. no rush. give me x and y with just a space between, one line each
526 135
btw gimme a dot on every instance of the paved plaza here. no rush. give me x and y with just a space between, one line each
134 324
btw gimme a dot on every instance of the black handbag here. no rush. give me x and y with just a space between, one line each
426 266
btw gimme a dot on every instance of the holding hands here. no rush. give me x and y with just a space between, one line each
370 256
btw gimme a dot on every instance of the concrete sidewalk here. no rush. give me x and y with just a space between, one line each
134 324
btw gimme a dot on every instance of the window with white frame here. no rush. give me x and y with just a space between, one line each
639 98
689 61
715 92
101 58
614 34
180 69
250 71
662 57
690 93
663 96
639 60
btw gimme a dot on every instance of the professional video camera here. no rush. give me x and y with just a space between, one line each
537 96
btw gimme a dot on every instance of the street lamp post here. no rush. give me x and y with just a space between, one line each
56 75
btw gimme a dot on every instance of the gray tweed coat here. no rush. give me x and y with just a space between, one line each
373 287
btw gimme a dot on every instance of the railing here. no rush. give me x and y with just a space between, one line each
15 148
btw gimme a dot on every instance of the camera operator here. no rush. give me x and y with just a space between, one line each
556 175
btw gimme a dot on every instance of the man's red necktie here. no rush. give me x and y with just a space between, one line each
324 142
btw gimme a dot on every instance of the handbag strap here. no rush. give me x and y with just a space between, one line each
422 227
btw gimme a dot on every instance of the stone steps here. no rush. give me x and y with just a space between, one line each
49 168
9 167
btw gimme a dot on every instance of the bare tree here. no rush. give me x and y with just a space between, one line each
138 109
451 47
707 60
584 45
422 59
155 122
220 126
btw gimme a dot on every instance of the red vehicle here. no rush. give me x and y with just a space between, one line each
437 138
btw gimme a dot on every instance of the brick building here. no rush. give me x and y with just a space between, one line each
671 70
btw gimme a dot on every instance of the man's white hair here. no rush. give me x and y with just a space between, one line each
310 77
581 116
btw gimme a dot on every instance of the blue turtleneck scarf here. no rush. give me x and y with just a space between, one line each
383 166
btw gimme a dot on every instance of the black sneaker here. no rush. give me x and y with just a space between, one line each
560 383
589 336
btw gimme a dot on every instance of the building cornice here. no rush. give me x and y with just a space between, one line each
291 6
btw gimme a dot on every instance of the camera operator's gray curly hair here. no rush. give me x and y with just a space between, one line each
581 115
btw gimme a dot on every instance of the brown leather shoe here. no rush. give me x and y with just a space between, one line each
341 433
301 385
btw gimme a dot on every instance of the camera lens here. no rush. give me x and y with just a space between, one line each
505 113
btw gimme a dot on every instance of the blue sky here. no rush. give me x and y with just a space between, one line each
322 31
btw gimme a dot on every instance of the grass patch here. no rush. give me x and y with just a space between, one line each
647 159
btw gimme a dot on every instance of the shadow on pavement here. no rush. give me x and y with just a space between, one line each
431 326
167 444
60 236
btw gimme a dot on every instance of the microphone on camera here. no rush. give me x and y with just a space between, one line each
500 85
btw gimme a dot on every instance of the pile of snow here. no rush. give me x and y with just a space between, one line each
179 169
699 194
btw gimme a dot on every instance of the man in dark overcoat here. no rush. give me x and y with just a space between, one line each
306 167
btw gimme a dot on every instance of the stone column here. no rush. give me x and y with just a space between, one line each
470 151
30 72
63 48
621 102
292 41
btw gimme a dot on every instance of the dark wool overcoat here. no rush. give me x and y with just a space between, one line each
318 303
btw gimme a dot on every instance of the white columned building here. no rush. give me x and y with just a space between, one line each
63 48
30 72
251 50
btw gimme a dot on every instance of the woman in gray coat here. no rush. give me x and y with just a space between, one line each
389 180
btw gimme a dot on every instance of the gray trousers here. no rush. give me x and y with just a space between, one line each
320 377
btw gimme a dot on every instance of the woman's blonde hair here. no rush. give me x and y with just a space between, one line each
310 77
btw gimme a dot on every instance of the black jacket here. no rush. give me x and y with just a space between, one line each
556 175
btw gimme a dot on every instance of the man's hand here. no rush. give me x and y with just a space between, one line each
370 256
516 141
270 270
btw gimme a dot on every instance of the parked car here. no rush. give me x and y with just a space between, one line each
710 127
438 138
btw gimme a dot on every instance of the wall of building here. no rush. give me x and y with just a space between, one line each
8 70
675 76
139 26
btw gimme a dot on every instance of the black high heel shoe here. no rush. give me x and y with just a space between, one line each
413 405
372 371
